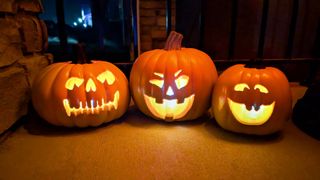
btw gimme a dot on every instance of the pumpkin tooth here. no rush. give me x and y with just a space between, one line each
92 106
97 108
169 109
102 104
181 100
67 106
87 108
159 100
81 109
116 100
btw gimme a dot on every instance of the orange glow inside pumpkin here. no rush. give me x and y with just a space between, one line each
251 117
169 108
93 107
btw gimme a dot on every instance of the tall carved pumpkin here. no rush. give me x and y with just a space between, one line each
88 94
252 100
174 83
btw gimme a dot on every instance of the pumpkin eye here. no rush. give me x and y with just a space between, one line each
241 87
106 76
73 81
182 81
90 86
157 82
261 88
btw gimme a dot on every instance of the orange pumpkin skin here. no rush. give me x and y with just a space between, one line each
196 70
254 90
51 98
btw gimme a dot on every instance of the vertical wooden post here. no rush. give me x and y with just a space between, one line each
233 28
61 25
292 29
168 16
263 28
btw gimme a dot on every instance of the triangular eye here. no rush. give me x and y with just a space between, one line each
73 81
157 82
106 76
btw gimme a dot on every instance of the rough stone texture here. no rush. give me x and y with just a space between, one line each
34 63
12 6
23 39
153 23
15 84
32 33
30 5
8 6
10 46
14 96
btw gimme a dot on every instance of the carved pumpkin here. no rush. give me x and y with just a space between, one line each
89 94
173 84
252 101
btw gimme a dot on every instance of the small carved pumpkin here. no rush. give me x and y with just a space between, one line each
89 94
173 84
252 101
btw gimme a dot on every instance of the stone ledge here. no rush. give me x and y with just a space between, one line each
15 87
12 6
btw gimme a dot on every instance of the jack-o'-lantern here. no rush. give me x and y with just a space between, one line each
88 94
173 84
252 100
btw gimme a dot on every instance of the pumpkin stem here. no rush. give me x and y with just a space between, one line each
173 41
81 57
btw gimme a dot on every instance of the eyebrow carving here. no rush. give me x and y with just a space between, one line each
177 73
158 74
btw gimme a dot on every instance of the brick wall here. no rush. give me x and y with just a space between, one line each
153 23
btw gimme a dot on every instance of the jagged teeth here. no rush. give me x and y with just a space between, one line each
92 110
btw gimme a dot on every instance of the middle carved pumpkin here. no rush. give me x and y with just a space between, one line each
173 84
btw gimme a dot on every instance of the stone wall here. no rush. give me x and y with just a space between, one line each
153 23
23 41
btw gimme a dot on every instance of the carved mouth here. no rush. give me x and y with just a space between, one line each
252 117
95 107
169 108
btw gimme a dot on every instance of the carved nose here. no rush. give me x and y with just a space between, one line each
90 86
169 92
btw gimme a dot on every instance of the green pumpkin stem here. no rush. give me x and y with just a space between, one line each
173 41
79 50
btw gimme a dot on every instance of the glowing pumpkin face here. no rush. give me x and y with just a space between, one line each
81 95
250 113
92 105
168 107
173 84
252 101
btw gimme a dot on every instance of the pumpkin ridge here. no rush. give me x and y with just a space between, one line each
58 74
47 89
149 55
189 59
162 58
45 72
